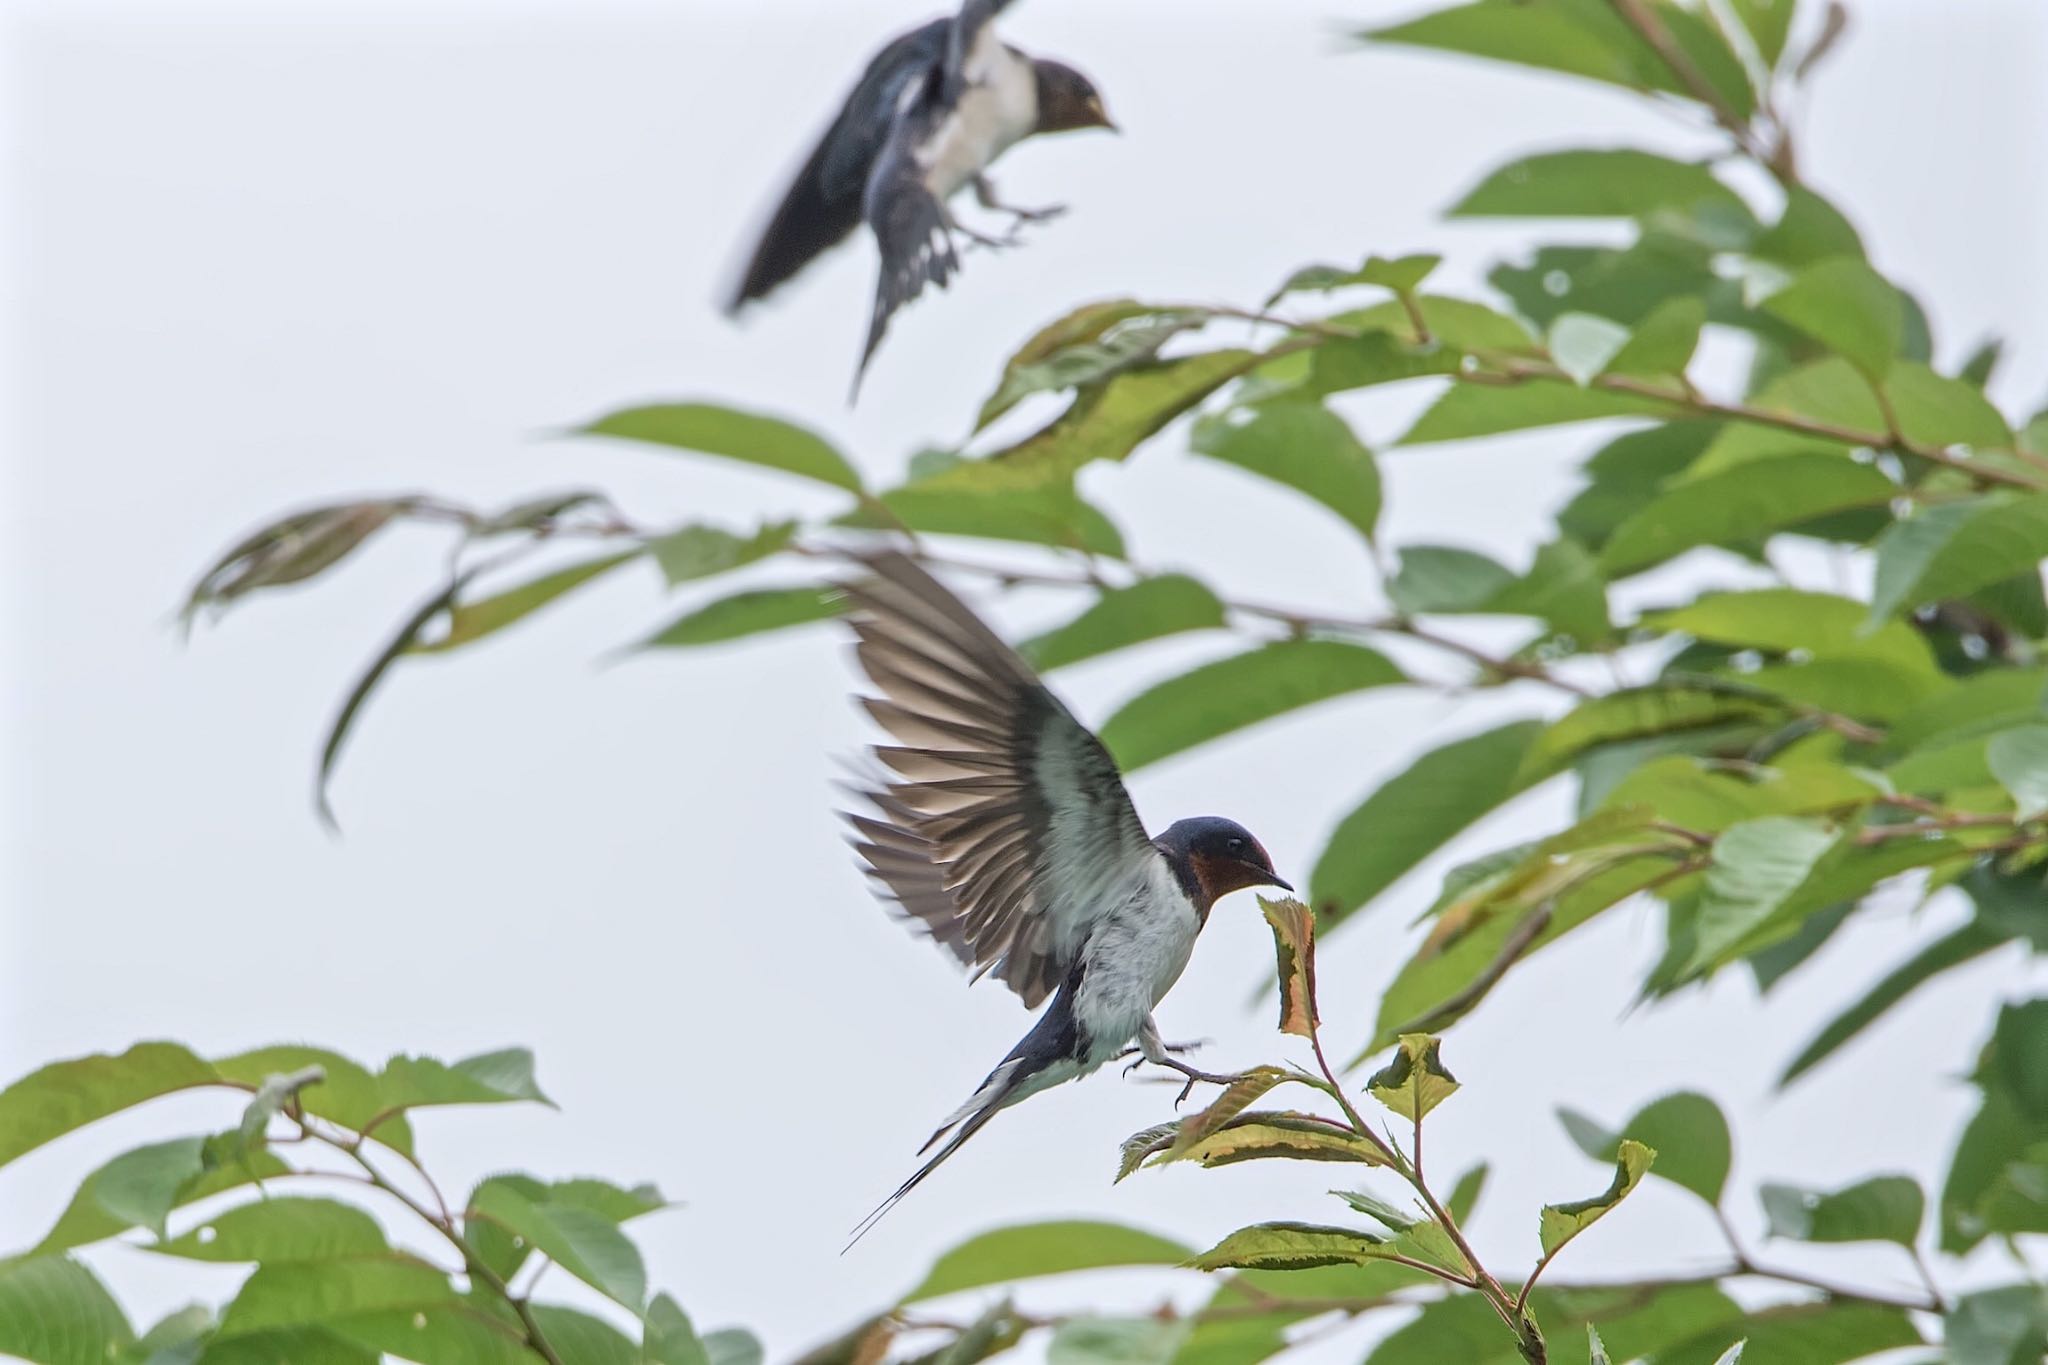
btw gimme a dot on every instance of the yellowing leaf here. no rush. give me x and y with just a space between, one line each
1415 1081
1562 1222
1294 940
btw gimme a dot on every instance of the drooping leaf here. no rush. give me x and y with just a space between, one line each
2019 760
86 1220
744 614
1847 307
750 438
292 550
1416 812
1560 1223
68 1095
1294 941
281 1229
1595 184
1884 1208
1120 617
140 1188
1686 1130
1741 504
54 1311
1955 548
1757 867
1416 1080
469 622
584 1243
1305 446
1029 1250
1230 694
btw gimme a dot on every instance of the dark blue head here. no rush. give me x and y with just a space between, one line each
1215 857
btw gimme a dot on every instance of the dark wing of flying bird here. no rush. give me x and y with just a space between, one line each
823 204
1006 821
965 35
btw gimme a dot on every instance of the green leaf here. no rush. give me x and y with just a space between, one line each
281 1229
584 1243
1847 307
744 614
1237 1097
140 1188
1595 184
1450 325
1635 713
54 1311
1966 944
2004 1326
1955 548
1663 342
1583 345
1416 812
1033 1249
1768 22
489 1078
449 1334
580 1339
1294 942
1256 1135
1291 1246
1052 515
1596 1350
750 438
68 1095
1820 1333
1106 421
701 551
1757 867
1415 1081
1741 504
469 622
1562 1222
85 1219
1626 474
1465 1194
1474 409
1885 1208
2019 760
669 1337
1116 1341
1304 446
1686 1130
1936 410
1230 694
308 1293
1121 617
1088 345
1444 578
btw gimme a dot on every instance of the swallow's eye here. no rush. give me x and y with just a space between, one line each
1235 845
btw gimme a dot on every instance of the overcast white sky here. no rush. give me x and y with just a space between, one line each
261 255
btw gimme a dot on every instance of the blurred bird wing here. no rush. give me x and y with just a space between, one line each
1006 829
972 44
823 202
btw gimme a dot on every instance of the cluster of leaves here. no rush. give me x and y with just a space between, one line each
1764 760
327 1286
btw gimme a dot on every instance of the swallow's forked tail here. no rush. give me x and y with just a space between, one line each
996 1093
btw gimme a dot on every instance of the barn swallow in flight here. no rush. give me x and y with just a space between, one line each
933 110
1002 826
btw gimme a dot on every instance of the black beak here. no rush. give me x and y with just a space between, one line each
1268 877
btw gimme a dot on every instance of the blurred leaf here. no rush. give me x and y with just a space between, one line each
1120 617
469 622
1560 1223
1594 184
308 1293
498 1077
1741 504
449 1334
1230 694
1885 1208
54 1311
2004 1326
1998 1178
1465 1194
1305 446
700 551
534 514
1444 578
349 1094
1768 21
580 1339
1757 867
1955 548
176 1339
1294 940
1087 346
279 1229
85 1219
1962 945
1479 409
1583 345
1115 1341
1631 285
1820 1333
1562 587
292 550
1935 410
1452 325
1663 342
2019 760
1596 1351
1626 474
1383 357
1033 1249
1415 1081
141 1187
1686 1130
1052 515
68 1095
1416 812
584 1243
1847 307
1810 229
744 614
750 438
1106 421
1634 713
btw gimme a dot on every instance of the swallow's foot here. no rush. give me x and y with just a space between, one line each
1194 1074
1044 215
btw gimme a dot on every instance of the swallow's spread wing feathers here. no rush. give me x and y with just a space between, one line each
971 29
823 203
1008 820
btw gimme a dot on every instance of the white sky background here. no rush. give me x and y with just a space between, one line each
263 255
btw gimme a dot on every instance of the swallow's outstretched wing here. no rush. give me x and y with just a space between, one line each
969 30
823 203
1006 822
